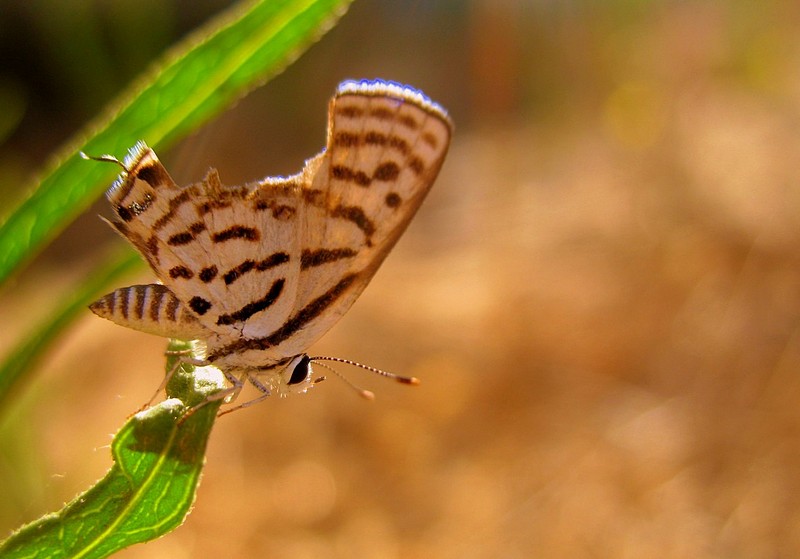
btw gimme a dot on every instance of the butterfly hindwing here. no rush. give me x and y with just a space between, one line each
225 252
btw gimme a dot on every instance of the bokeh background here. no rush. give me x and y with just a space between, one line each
601 294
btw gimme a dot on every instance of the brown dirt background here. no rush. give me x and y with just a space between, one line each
601 296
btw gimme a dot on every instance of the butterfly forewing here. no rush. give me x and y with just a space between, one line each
385 148
269 267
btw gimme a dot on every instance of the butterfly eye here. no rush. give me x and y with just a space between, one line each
301 371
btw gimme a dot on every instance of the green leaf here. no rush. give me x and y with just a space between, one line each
158 457
193 82
34 343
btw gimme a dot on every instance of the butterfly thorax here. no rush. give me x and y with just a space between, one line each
288 375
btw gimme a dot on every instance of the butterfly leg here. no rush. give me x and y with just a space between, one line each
265 393
171 373
228 394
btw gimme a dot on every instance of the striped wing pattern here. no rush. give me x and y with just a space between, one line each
260 272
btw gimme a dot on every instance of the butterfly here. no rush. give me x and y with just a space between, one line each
259 272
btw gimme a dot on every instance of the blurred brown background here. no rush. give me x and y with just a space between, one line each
601 294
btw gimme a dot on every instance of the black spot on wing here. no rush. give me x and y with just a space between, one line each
356 215
314 197
349 111
180 272
256 306
381 113
186 237
387 171
209 273
311 258
295 323
199 305
172 208
236 232
134 209
430 139
151 250
346 139
343 173
154 175
281 212
393 200
409 122
416 165
235 273
311 311
179 239
124 213
270 262
372 138
212 205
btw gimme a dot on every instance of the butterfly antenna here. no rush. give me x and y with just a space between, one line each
399 378
105 158
364 393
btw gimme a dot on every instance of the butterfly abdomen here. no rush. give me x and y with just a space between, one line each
149 308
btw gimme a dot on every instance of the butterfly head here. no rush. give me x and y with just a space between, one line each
296 377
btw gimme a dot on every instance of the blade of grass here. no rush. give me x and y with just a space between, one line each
23 356
149 490
207 72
